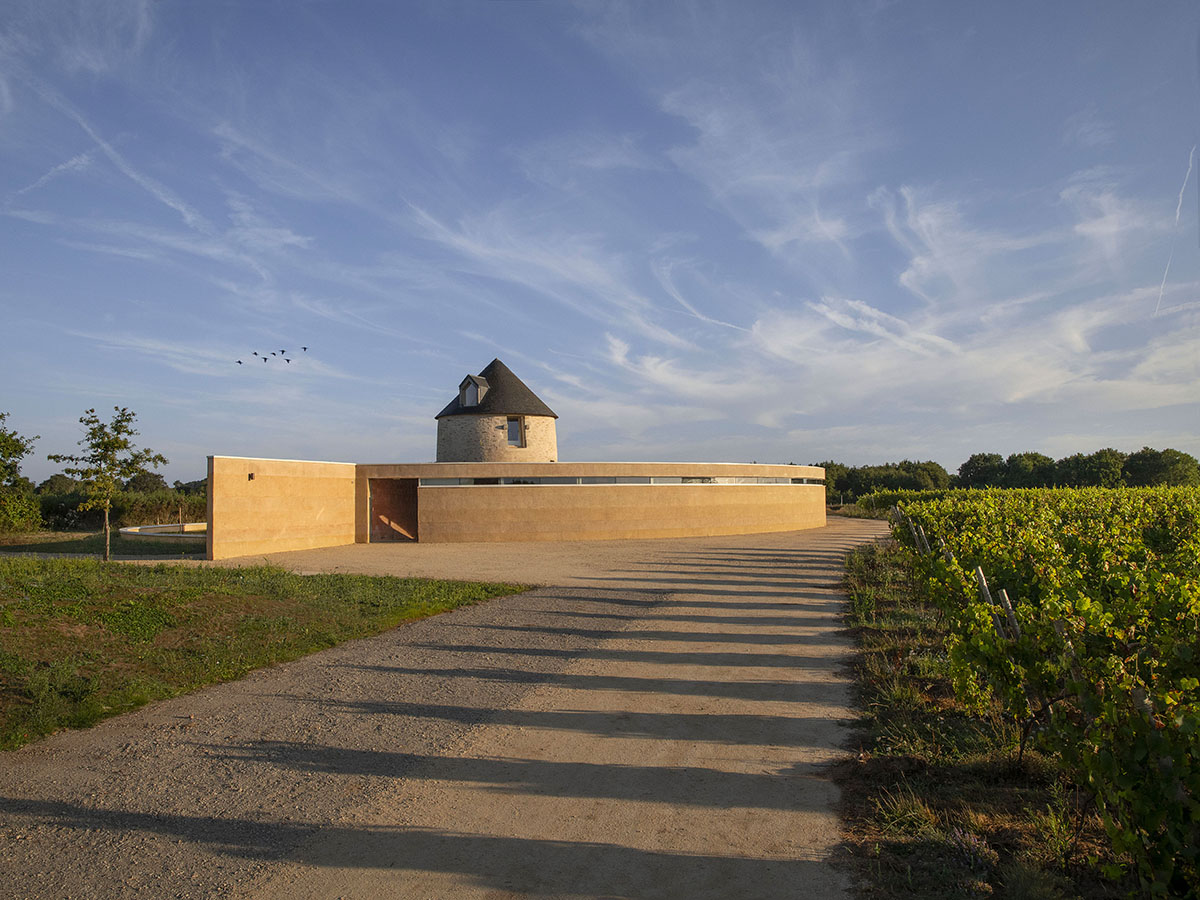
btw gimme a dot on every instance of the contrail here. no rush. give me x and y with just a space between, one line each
1179 206
76 163
1178 209
1166 271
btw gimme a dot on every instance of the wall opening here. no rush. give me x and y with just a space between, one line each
393 509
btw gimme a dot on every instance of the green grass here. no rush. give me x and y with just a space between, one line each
81 640
936 805
92 544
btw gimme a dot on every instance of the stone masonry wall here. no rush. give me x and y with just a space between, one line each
485 439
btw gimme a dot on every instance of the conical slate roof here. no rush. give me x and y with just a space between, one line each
506 395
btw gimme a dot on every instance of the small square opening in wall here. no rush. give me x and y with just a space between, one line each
516 431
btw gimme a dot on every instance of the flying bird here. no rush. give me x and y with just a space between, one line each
256 353
282 352
239 362
264 359
286 360
305 349
272 352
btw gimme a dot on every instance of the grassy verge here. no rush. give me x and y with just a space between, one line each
81 640
92 544
936 804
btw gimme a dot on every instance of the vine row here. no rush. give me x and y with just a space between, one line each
1079 611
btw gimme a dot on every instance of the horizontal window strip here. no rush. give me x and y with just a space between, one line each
610 479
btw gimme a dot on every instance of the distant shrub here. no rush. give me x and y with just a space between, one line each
19 511
158 508
881 501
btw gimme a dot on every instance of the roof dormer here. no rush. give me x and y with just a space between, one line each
472 390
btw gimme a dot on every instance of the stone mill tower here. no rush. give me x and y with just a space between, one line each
496 418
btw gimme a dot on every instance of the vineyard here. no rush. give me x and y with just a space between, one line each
1078 610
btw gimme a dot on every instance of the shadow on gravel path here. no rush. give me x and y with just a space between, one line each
658 727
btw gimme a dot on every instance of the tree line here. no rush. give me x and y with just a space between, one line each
1103 468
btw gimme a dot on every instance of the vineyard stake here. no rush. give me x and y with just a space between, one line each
1012 618
987 596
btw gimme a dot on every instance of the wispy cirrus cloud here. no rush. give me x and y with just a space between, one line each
561 161
1105 217
857 316
80 36
775 128
1087 129
664 270
569 270
159 191
951 259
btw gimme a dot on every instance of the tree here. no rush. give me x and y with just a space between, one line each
192 487
1071 471
13 448
58 484
110 460
905 475
1028 470
1149 467
1104 468
835 477
929 475
1179 468
19 509
145 482
981 470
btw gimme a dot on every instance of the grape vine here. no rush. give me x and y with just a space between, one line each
1079 611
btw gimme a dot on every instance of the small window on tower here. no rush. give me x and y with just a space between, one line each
516 431
471 395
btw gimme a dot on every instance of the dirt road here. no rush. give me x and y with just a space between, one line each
653 726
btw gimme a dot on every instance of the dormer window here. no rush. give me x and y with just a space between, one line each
472 389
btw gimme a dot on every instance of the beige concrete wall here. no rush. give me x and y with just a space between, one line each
287 505
485 439
612 512
452 516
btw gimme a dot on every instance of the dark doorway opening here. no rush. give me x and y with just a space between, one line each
393 509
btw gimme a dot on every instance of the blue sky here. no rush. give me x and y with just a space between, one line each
729 231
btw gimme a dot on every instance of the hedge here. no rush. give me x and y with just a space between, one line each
61 511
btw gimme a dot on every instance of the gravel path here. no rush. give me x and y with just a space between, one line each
653 726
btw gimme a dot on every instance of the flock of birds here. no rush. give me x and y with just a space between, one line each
282 354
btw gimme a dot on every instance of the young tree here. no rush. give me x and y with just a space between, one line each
110 460
13 448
